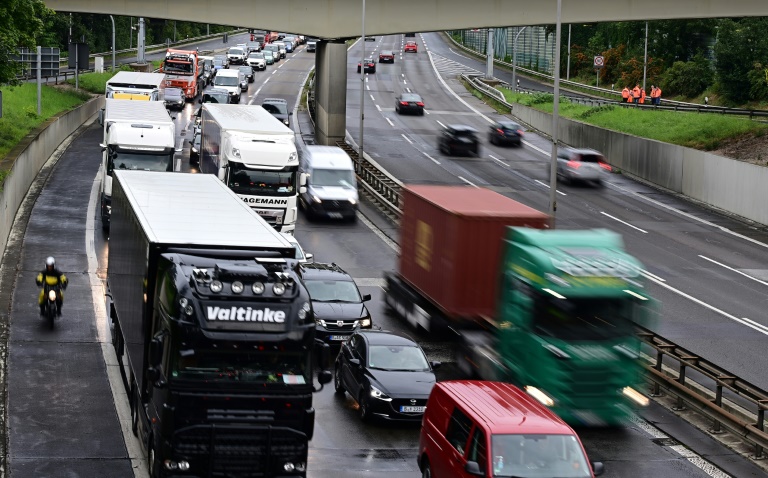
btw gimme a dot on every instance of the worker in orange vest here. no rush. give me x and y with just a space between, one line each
636 94
655 95
642 96
625 95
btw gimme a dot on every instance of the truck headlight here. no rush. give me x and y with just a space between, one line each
237 287
278 288
257 288
216 286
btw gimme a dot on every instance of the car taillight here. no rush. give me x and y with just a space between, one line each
605 166
419 103
520 132
404 103
574 164
500 131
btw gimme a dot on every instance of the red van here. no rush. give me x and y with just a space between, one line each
475 428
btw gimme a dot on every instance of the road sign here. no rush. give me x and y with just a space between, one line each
599 61
49 61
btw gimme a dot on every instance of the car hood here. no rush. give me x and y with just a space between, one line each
339 310
333 193
404 384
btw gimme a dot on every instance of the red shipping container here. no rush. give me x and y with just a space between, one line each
450 244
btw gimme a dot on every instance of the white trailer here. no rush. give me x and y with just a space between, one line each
255 154
136 85
138 135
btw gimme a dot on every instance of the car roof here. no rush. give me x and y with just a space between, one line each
324 271
504 408
328 157
509 124
461 127
383 337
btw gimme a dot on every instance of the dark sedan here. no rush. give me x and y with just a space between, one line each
458 138
387 374
409 103
370 66
386 56
506 132
174 98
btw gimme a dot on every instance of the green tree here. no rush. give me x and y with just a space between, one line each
740 44
687 78
21 24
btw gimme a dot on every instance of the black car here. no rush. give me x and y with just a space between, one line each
370 66
194 148
279 109
370 38
506 132
409 103
174 98
388 375
336 301
458 138
248 72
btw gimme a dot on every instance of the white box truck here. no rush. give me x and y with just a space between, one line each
254 154
138 135
135 85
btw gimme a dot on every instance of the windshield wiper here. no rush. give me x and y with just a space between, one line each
337 301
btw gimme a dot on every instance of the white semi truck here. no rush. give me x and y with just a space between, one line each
136 85
254 154
138 135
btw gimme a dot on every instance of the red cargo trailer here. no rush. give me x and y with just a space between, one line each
450 244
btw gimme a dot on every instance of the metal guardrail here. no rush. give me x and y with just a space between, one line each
670 105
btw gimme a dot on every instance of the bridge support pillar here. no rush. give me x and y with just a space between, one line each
330 92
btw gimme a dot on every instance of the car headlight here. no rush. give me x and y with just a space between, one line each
320 322
316 199
379 395
353 201
286 122
194 150
365 323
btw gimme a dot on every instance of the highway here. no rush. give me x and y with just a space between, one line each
65 421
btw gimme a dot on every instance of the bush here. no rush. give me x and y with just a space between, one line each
758 82
687 78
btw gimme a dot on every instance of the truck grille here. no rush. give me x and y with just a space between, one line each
337 205
241 451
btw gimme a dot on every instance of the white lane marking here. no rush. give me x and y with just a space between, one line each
734 270
468 182
756 324
405 82
536 148
494 157
623 222
427 112
366 77
684 452
441 124
750 324
547 186
408 90
406 138
402 74
378 108
274 71
392 244
119 395
390 122
430 157
265 81
655 277
372 98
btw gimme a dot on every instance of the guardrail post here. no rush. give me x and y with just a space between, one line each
656 392
681 380
719 402
761 404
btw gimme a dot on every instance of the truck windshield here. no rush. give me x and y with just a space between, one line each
221 80
536 456
584 319
177 68
242 365
140 160
333 177
258 181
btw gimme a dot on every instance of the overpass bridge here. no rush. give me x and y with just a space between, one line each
336 20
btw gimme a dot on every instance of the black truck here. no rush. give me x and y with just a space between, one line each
214 327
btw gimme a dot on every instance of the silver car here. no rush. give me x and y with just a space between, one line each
585 165
301 256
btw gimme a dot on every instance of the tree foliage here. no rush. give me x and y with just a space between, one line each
741 45
687 78
21 25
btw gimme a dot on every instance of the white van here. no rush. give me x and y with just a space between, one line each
331 183
229 80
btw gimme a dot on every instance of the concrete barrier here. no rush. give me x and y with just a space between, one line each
30 156
723 183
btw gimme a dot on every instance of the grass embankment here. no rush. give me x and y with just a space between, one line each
96 83
703 131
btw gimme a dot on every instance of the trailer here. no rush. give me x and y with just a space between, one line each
135 85
215 328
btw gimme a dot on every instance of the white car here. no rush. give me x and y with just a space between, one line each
236 55
281 48
256 61
301 256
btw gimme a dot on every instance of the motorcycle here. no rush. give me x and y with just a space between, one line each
50 303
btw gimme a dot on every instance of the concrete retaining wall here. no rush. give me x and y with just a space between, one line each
733 186
40 145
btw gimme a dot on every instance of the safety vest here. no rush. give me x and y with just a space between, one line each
656 93
636 92
625 93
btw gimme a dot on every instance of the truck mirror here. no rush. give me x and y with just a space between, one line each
155 352
324 377
366 297
435 364
103 146
304 179
598 468
473 468
101 117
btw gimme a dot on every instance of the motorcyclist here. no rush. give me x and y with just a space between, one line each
51 276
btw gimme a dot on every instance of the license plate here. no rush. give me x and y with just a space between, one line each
335 215
414 409
338 337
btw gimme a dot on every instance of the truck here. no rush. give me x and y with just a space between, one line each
137 135
211 321
135 85
255 155
551 311
182 70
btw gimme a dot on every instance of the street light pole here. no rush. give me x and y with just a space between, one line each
645 55
568 66
555 118
514 58
362 87
113 42
489 59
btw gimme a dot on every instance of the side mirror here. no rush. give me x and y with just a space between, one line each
598 468
324 377
355 362
473 468
101 117
435 364
304 179
302 190
103 146
366 297
153 375
310 257
155 352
